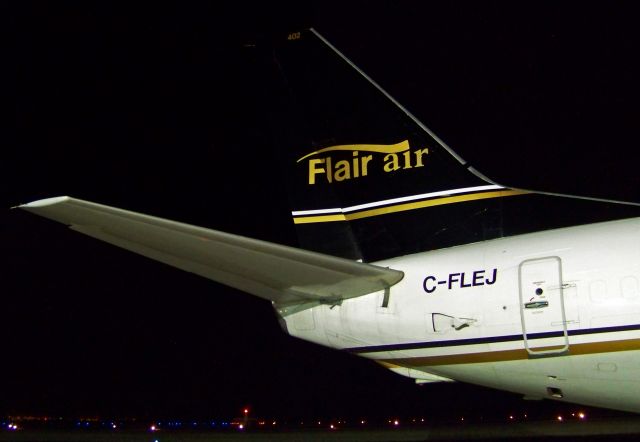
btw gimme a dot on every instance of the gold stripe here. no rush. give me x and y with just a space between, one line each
408 206
512 355
378 148
388 364
325 219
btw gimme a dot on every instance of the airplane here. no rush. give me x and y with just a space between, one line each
410 256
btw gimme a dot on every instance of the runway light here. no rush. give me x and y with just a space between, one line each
362 422
581 415
559 418
510 417
153 428
332 427
396 423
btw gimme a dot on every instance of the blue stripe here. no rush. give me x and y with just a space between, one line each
487 340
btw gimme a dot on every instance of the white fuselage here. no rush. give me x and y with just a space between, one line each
552 314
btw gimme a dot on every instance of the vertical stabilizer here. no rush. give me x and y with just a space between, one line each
368 180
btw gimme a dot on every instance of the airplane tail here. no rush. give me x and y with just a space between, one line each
368 181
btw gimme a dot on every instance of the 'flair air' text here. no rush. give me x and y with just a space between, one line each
396 157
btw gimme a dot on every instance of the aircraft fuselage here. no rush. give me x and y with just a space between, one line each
553 314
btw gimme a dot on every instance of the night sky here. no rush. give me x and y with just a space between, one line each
156 108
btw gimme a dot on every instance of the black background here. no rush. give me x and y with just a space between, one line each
156 108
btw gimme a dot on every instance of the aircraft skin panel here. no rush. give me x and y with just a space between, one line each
607 380
285 275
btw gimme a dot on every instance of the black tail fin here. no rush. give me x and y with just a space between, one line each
368 180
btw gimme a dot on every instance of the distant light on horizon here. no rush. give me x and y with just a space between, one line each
153 426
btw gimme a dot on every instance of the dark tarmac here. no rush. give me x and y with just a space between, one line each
595 430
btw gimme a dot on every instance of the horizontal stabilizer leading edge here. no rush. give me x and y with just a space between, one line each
291 278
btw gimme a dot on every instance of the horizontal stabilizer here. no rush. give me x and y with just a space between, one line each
292 278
